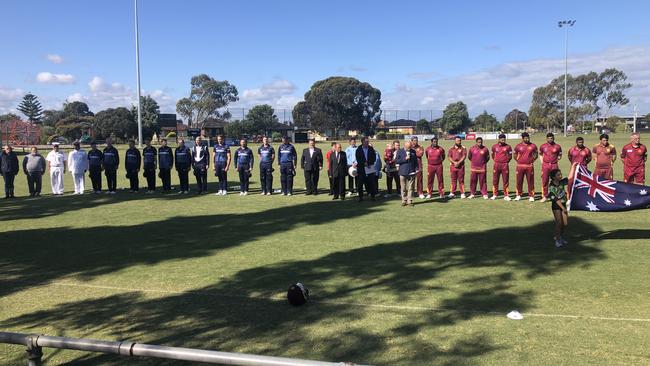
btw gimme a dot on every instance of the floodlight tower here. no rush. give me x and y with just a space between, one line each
566 24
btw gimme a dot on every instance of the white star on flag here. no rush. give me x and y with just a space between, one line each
643 192
592 207
627 203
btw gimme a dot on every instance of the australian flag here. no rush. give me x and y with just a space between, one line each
593 193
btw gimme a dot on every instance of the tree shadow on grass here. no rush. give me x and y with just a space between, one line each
375 304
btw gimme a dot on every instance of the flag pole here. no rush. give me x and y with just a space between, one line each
137 73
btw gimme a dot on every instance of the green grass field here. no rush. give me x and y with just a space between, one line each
428 285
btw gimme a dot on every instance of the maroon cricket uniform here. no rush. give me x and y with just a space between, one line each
419 152
478 157
457 173
502 154
527 154
605 156
580 156
634 158
435 157
551 154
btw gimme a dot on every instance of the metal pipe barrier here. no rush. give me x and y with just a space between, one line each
35 344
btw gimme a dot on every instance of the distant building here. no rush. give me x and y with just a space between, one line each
401 126
212 127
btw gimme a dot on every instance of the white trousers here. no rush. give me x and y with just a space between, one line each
56 179
78 179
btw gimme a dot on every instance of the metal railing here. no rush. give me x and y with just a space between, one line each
35 344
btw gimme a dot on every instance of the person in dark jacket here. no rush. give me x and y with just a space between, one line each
266 154
244 165
132 163
165 164
183 162
111 163
312 163
200 163
366 158
149 155
407 163
34 168
9 168
338 170
287 160
221 165
95 159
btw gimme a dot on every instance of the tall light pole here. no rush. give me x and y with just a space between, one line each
566 24
137 73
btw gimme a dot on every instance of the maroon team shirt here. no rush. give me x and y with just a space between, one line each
478 156
604 155
502 153
580 156
458 154
527 153
634 156
435 155
550 153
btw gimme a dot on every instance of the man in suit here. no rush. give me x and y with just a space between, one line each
367 177
338 170
312 163
408 167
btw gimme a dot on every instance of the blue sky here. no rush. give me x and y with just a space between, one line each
421 54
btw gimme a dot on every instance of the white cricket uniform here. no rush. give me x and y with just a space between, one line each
78 165
57 165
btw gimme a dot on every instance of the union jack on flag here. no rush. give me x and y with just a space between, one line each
594 193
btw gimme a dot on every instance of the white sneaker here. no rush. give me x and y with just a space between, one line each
245 193
268 193
470 196
428 196
284 194
451 195
518 198
241 193
494 197
421 196
507 198
288 194
543 199
263 193
349 194
531 199
485 197
462 196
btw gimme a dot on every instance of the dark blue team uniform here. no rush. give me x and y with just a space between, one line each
149 154
287 160
267 154
95 160
221 152
111 163
244 164
183 160
132 163
165 164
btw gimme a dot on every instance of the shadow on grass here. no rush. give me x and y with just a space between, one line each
462 276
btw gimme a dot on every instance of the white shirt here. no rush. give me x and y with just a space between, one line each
311 152
77 161
56 159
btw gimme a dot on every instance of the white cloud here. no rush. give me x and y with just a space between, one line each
54 58
9 98
510 85
278 94
49 78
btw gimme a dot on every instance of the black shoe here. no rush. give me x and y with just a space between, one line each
343 198
335 198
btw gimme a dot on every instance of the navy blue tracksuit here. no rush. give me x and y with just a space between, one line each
183 162
221 152
200 163
111 163
267 154
287 160
149 154
165 164
132 163
243 164
95 158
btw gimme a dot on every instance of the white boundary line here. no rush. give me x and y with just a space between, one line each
377 306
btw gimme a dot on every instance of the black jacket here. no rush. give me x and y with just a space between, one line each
338 168
132 159
406 167
9 163
204 158
361 159
314 162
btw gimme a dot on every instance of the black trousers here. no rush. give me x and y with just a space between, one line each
9 184
222 175
34 182
367 181
332 184
150 174
111 179
353 182
134 180
286 178
183 176
266 177
244 180
338 186
311 181
96 179
166 178
201 180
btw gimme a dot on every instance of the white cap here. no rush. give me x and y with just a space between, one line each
55 143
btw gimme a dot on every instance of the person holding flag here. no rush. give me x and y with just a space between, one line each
525 156
557 194
605 157
579 153
551 155
634 156
501 154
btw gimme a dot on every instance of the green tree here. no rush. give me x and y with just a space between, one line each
73 127
235 129
423 126
515 120
79 109
455 118
207 96
150 110
117 122
340 103
300 114
260 119
51 117
31 108
8 117
485 121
